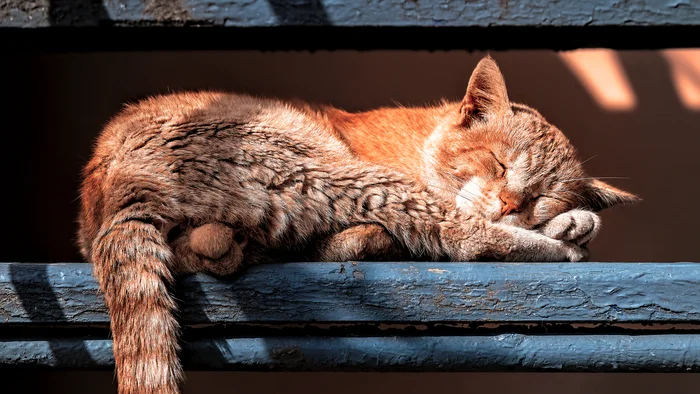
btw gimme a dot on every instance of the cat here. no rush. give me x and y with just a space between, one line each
198 181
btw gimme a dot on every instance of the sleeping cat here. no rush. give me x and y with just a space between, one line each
202 181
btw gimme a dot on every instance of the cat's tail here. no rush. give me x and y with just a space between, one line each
133 264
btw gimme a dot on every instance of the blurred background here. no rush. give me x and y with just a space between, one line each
634 114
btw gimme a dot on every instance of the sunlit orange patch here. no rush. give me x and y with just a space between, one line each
685 73
602 75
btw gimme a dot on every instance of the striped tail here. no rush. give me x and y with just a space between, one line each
132 262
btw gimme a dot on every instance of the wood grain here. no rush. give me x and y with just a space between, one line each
60 25
601 293
505 352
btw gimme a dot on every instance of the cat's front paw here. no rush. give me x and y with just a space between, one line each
575 253
576 226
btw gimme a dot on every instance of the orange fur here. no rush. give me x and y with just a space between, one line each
173 176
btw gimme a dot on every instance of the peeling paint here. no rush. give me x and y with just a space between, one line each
287 354
506 352
168 10
235 13
400 292
357 274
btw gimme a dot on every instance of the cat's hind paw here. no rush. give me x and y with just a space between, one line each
219 246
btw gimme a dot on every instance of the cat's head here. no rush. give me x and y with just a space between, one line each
507 162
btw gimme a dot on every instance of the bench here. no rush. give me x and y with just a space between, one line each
402 316
367 316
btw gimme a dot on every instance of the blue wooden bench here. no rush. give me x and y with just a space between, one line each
368 316
404 316
54 25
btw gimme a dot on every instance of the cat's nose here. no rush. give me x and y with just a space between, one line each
511 203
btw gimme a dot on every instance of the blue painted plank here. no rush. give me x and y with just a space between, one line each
596 293
350 13
663 353
347 24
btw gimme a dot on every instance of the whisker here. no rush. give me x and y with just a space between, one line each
468 192
591 178
580 197
455 189
456 178
463 181
589 159
468 198
554 198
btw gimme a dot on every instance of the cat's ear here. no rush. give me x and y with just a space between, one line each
600 195
486 93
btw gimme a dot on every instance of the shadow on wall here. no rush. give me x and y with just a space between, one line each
59 102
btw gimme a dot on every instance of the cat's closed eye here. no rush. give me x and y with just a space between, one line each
502 169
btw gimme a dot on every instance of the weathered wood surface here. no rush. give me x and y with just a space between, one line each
346 24
256 13
598 293
662 353
616 317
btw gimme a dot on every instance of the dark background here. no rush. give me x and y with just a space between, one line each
55 104
372 383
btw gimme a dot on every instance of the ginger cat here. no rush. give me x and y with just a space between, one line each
187 182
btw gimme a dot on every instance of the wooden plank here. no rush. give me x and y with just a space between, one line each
506 352
352 13
347 24
599 293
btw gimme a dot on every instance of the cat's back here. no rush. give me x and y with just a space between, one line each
167 112
205 109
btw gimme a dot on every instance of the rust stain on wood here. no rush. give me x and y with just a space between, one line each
167 10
